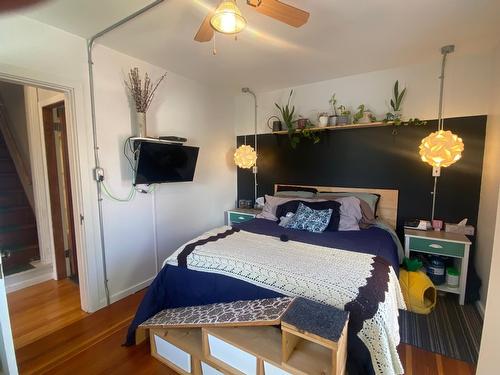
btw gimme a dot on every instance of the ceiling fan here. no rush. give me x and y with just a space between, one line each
227 17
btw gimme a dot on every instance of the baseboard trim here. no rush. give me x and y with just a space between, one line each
133 289
480 308
29 282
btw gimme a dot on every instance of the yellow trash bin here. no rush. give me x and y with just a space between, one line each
418 291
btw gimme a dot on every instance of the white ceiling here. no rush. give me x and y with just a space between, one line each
342 37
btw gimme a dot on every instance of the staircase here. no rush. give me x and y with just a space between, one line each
18 234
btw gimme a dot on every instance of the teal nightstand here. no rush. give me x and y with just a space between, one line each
453 245
240 215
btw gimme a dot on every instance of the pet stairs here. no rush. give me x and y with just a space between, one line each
277 336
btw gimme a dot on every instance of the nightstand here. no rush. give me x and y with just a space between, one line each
240 215
453 245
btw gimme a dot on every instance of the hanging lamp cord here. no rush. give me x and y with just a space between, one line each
444 51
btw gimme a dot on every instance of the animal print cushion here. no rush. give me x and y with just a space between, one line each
311 220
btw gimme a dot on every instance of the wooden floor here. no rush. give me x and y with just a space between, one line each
92 345
44 308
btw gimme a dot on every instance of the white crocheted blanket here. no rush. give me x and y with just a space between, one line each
363 284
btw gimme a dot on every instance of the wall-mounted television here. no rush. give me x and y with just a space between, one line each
159 162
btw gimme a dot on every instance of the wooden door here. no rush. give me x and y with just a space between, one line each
61 202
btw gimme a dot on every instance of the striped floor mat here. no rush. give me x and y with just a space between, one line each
451 330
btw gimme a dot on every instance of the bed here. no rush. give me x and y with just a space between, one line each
353 270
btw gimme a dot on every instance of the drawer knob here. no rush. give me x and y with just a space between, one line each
436 246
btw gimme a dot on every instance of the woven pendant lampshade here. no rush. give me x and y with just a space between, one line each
227 18
245 157
441 148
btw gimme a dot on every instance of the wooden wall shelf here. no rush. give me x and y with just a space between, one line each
342 127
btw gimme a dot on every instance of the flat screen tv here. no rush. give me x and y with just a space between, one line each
163 162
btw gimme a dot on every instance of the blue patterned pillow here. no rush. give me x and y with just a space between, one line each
311 220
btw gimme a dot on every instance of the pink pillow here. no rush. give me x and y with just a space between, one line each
272 203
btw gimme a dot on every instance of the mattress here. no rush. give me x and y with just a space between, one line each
182 284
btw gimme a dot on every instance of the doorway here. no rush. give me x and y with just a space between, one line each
61 200
44 294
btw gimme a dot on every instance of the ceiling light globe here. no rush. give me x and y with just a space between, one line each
227 18
245 157
441 148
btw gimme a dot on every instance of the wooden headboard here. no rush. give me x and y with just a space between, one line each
387 209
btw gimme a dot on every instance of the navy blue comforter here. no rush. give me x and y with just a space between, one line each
179 287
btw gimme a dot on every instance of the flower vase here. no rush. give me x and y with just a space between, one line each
141 124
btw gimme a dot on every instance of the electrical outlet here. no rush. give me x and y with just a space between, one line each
99 174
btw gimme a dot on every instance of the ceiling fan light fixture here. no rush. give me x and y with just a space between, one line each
227 18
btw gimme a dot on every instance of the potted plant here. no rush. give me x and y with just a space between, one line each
344 115
396 101
363 115
142 95
323 119
395 116
332 119
287 112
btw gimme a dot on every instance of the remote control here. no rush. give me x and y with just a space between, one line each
173 138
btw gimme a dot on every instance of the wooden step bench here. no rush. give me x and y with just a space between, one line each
278 336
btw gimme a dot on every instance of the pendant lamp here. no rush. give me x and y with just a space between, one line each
245 157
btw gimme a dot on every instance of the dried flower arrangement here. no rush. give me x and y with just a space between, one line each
142 93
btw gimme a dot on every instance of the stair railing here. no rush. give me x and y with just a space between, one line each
15 154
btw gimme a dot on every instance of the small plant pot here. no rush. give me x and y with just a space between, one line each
342 120
301 123
332 120
366 119
323 121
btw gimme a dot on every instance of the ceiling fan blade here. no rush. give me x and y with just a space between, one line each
205 32
280 11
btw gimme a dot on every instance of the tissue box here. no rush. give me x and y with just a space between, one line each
468 230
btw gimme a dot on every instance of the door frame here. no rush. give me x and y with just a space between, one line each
80 144
54 203
7 351
39 173
41 185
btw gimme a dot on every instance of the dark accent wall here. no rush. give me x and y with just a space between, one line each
374 157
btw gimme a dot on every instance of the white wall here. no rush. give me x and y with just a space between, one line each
42 54
467 92
174 213
13 98
44 95
489 186
490 341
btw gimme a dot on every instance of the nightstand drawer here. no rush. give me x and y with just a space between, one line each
432 246
237 217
